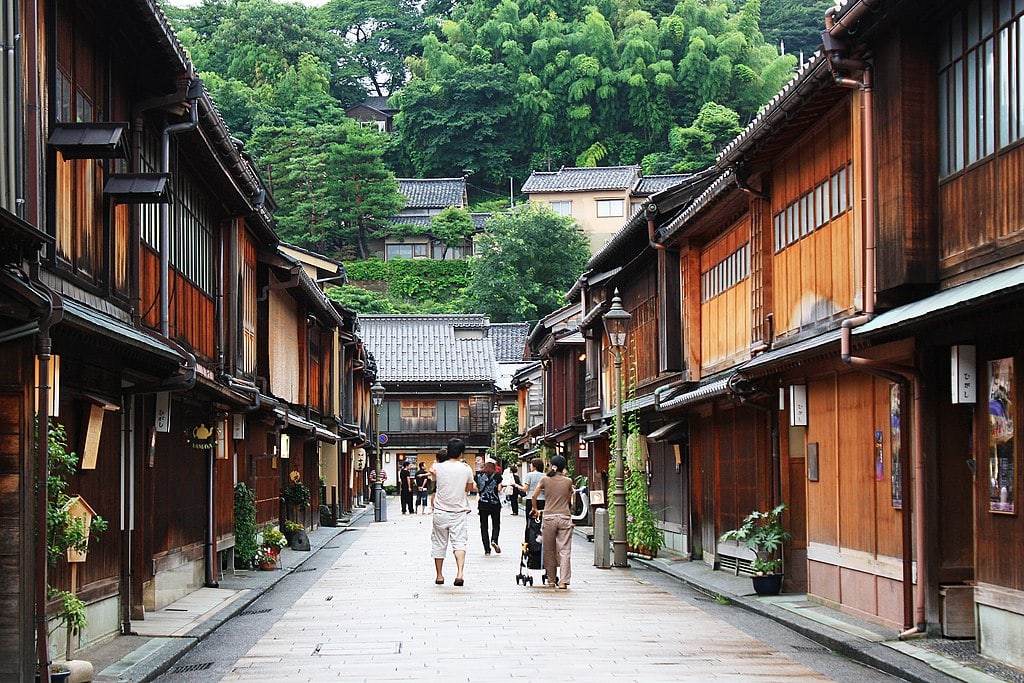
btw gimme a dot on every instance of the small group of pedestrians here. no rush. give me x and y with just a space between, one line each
414 488
548 498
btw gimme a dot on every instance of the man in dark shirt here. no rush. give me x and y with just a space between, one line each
422 488
407 485
488 482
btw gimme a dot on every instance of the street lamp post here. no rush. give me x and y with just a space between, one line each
495 417
616 322
380 511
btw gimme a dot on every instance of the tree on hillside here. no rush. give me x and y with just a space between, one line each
451 227
378 36
526 260
467 121
330 183
797 23
695 147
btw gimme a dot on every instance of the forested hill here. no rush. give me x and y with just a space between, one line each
497 87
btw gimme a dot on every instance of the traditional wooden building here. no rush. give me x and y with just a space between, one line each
846 337
438 372
183 352
557 342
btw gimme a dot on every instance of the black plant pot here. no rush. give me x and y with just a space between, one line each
56 676
769 584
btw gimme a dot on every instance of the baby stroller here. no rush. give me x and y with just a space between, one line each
532 557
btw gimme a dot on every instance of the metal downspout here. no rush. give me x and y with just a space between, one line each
55 312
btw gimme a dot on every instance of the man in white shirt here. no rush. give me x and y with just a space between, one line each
453 480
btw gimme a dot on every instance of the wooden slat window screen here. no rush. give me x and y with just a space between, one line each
827 201
249 294
191 228
981 106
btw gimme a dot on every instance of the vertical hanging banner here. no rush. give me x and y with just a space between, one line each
162 421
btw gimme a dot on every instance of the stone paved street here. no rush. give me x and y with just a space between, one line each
376 615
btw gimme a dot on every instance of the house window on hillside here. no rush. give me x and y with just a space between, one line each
609 208
981 61
562 208
399 251
441 252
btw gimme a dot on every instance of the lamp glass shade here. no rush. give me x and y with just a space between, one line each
616 322
377 394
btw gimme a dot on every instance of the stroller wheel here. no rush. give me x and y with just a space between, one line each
530 579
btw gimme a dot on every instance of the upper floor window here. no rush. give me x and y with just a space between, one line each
981 109
825 202
609 208
562 208
726 274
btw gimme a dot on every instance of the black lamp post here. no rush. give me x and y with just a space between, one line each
616 323
380 511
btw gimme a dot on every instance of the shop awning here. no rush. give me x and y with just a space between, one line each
91 320
669 430
91 140
826 342
597 433
948 301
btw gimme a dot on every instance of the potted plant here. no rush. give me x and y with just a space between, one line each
762 533
266 560
273 540
245 526
296 535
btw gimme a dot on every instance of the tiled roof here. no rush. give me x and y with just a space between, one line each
582 179
479 220
648 185
424 348
378 103
433 193
509 341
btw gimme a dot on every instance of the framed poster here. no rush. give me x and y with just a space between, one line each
895 446
1002 464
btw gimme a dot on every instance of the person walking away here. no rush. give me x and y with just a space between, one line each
406 486
556 523
422 481
516 490
533 477
453 480
488 483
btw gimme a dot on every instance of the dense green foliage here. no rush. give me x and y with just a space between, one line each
796 23
63 531
333 189
246 545
413 285
526 260
549 83
504 452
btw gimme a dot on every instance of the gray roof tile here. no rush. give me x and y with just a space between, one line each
509 341
424 348
433 193
582 179
651 184
479 220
